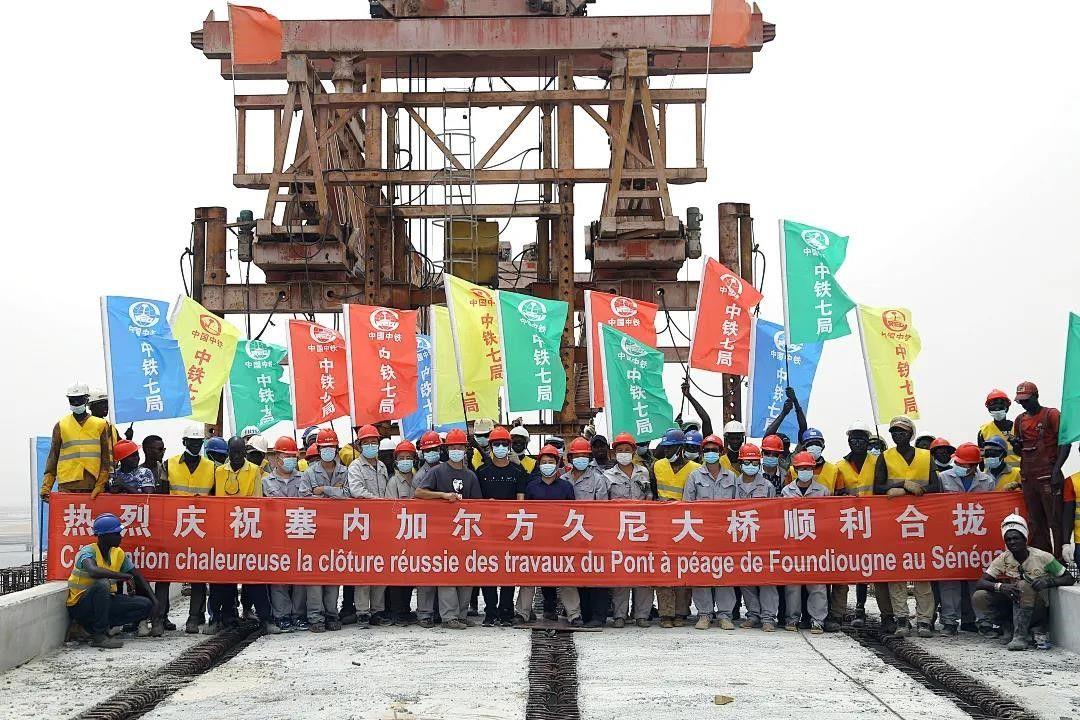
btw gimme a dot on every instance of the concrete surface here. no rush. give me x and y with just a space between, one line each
1065 617
474 674
32 623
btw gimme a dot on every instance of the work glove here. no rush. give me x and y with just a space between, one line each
913 487
1012 590
1041 583
1010 486
1067 552
896 492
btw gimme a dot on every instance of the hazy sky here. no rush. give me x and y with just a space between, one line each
943 138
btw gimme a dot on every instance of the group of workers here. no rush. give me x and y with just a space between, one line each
689 463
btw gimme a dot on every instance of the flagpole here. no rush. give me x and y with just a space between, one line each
784 293
866 368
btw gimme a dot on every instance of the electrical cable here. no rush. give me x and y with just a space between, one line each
678 357
187 251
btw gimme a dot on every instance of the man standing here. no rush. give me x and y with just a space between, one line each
813 442
734 438
1041 459
500 479
669 477
402 486
762 602
325 478
283 480
368 479
482 428
1007 478
80 456
627 480
773 450
997 404
856 471
450 481
588 482
601 453
806 485
519 443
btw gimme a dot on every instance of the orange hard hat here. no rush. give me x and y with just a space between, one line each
430 440
968 454
499 433
803 459
405 447
285 444
549 450
772 443
996 394
312 452
713 440
457 436
941 442
624 438
326 438
580 446
124 448
367 432
749 451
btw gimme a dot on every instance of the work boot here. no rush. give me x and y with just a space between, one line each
969 627
101 640
577 623
749 622
704 622
284 625
816 627
317 627
169 625
550 615
302 624
157 628
768 626
642 622
455 624
925 630
666 623
333 624
488 621
792 627
143 629
860 619
888 624
348 617
192 626
949 630
903 628
618 623
986 629
1021 622
594 624
426 623
210 628
726 624
832 625
678 621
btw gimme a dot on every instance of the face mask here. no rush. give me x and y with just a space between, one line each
999 414
750 468
289 464
193 447
814 450
993 463
805 475
691 455
481 440
456 455
712 457
79 409
874 451
431 457
370 451
580 463
547 469
769 461
404 465
218 460
941 464
327 454
961 471
500 451
624 458
642 451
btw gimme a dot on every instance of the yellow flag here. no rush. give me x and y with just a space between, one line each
448 404
474 320
207 344
890 346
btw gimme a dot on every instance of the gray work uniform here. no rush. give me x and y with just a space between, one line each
590 486
402 487
287 601
762 601
817 596
954 591
700 485
367 480
322 600
635 486
453 600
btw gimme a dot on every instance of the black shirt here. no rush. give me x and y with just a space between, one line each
502 483
446 478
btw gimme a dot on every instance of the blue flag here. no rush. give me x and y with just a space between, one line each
39 517
143 366
769 378
419 422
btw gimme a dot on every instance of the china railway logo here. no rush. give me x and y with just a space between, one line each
633 349
384 319
817 239
731 285
533 310
257 350
780 341
210 324
895 320
323 335
144 314
624 307
423 344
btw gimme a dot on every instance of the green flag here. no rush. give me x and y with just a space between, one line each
634 397
532 331
258 396
1070 388
815 305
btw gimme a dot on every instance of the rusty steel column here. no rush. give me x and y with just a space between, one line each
562 255
212 220
198 255
736 252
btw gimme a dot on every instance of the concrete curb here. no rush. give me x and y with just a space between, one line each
32 623
1065 617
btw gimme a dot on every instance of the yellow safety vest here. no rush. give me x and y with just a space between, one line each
990 430
301 464
669 484
528 463
80 448
80 580
477 459
1075 480
725 462
245 482
918 471
184 482
346 454
859 483
1012 475
827 475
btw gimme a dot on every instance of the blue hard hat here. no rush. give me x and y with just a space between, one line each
313 430
812 434
673 436
996 440
693 437
106 523
216 445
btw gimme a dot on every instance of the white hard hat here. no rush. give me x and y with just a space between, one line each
519 431
249 431
859 426
97 395
734 427
1014 522
257 443
195 431
483 426
77 389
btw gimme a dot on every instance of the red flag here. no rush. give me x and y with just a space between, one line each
721 340
256 35
318 373
636 318
381 346
730 23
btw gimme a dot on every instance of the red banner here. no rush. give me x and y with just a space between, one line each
318 376
381 348
636 318
491 542
721 340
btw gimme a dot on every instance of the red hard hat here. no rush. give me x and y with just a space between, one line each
366 432
968 454
326 438
312 452
941 442
499 433
405 447
457 436
124 448
285 444
803 459
624 438
773 443
580 446
430 440
996 394
749 451
550 451
713 440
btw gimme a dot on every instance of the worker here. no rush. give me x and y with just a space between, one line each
129 476
734 439
217 451
256 451
99 408
92 600
519 443
942 451
601 453
706 421
589 484
1041 459
906 472
80 454
366 604
325 478
813 442
791 402
857 469
995 451
430 453
876 447
548 485
500 479
692 445
997 404
773 450
761 602
153 451
402 486
669 478
307 442
711 481
1070 519
1012 591
924 441
451 481
806 485
481 429
283 480
627 480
